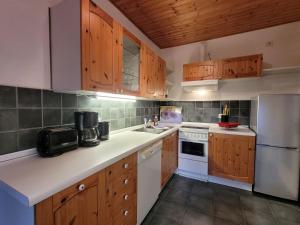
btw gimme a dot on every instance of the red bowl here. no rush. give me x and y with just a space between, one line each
229 124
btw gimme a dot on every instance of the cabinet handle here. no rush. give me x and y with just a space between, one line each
126 197
81 187
126 213
126 181
210 135
126 166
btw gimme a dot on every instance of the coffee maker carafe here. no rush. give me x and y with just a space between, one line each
86 124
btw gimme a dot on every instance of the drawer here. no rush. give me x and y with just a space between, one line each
125 216
122 200
121 167
62 197
124 184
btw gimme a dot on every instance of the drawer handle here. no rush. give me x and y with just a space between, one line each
126 197
126 166
126 213
81 187
126 181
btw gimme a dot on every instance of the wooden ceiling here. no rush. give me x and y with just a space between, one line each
171 23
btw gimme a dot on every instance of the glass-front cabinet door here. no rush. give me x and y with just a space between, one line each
131 64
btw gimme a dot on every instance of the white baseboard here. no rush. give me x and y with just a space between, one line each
192 175
230 183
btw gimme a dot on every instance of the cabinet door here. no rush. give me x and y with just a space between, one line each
148 72
161 78
165 161
174 153
246 66
100 51
131 57
198 71
82 209
232 156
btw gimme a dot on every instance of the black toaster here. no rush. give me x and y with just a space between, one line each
56 141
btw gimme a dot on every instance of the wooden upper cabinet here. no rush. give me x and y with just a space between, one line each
239 67
98 66
148 72
232 157
198 71
161 78
153 74
100 50
129 81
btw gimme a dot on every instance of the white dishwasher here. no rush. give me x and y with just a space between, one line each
149 179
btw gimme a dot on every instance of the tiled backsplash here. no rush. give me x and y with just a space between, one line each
24 112
207 111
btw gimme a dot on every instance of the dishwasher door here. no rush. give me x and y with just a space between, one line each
149 179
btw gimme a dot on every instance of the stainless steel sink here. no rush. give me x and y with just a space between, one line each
152 130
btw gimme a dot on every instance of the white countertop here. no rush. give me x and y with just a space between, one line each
240 130
33 179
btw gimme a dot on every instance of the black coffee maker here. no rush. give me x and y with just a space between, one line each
86 124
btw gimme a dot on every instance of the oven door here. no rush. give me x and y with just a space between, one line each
194 150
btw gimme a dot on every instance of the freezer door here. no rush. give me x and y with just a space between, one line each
277 172
278 120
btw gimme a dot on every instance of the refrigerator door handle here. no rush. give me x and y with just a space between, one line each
280 148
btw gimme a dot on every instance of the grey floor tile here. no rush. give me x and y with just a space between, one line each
170 210
181 183
255 204
203 190
229 212
160 220
286 212
257 218
218 221
204 205
193 217
179 196
228 199
286 222
164 193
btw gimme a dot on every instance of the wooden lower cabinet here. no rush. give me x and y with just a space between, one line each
105 198
169 158
231 156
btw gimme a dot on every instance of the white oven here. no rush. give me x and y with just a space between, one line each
193 152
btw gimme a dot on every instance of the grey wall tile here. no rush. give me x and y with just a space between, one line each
234 104
245 104
8 143
8 119
207 104
51 99
29 97
30 118
244 112
216 104
52 117
8 97
234 112
68 116
69 101
27 139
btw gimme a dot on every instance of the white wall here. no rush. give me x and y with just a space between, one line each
24 41
283 52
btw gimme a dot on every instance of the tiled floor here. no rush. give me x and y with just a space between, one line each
189 202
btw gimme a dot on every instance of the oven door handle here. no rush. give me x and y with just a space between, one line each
192 141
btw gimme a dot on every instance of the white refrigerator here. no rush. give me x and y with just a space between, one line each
276 120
